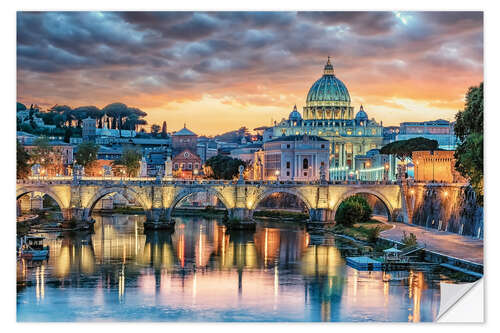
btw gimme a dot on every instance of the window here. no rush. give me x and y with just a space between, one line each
176 166
288 146
288 164
288 173
190 166
196 166
305 164
323 145
305 174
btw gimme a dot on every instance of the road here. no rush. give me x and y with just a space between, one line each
447 243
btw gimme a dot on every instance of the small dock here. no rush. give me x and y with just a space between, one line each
364 263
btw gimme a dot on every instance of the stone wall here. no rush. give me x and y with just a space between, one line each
446 207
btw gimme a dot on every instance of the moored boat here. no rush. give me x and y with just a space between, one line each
31 247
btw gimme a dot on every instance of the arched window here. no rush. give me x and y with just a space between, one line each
305 164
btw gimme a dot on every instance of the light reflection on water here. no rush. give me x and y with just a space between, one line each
201 272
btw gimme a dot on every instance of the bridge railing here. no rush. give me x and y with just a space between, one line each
143 181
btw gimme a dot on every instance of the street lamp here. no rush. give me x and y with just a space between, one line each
195 173
277 173
386 167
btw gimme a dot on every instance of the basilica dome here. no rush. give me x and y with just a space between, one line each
328 90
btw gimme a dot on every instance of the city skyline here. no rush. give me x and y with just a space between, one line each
218 71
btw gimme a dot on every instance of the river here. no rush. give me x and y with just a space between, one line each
202 272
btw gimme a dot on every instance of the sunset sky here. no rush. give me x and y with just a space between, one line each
218 71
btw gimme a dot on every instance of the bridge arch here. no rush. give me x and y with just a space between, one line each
271 191
125 191
186 192
378 195
25 190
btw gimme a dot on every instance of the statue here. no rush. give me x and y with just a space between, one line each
241 168
143 171
168 168
107 171
35 170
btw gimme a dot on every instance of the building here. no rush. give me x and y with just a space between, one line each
186 165
105 132
440 130
329 114
206 149
109 153
372 166
293 157
247 152
185 162
436 166
89 130
61 159
182 140
25 139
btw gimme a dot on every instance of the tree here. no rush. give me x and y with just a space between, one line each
86 154
21 107
403 149
23 165
367 210
222 167
67 135
117 111
353 210
155 129
164 129
349 213
469 131
130 160
42 153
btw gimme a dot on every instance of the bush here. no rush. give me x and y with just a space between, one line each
373 234
353 210
349 213
367 210
409 240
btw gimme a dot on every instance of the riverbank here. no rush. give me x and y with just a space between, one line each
366 232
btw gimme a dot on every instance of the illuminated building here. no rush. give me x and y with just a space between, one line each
294 157
329 114
438 166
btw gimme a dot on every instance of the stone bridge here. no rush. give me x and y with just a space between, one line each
158 198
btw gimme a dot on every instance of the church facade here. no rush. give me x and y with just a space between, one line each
328 113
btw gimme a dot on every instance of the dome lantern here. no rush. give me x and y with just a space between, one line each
328 68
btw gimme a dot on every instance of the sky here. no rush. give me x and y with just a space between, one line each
218 71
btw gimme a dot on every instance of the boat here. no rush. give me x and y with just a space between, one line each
31 247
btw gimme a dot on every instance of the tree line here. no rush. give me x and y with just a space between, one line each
114 116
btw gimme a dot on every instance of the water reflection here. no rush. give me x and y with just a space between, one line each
203 272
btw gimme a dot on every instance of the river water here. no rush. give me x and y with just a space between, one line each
201 272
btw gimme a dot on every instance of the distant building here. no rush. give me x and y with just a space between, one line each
247 152
390 134
436 166
186 165
61 158
26 138
89 130
114 133
184 139
109 153
373 166
440 130
206 149
293 157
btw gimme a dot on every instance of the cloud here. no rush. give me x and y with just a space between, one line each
154 59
